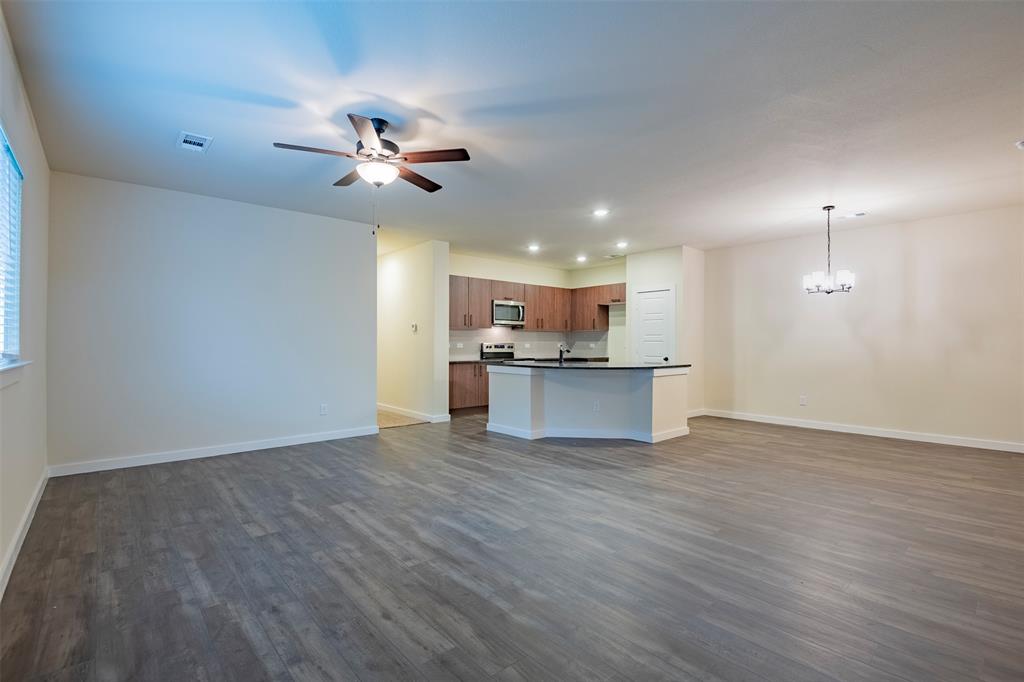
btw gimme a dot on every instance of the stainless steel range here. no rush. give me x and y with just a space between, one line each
497 351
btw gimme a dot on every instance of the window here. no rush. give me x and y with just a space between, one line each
11 178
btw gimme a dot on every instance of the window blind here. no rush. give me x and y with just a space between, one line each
11 179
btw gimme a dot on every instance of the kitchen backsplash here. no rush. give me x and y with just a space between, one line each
528 344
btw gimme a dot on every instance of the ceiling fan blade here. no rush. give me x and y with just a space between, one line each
348 179
318 150
367 133
417 179
436 156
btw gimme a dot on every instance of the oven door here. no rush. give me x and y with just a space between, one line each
508 314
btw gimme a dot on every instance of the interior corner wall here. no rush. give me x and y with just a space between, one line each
928 346
692 329
412 330
183 325
23 390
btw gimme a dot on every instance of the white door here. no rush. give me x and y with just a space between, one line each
654 325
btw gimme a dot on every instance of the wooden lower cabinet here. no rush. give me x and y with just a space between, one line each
467 384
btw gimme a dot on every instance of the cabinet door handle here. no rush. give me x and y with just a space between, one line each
463 319
542 323
471 319
593 323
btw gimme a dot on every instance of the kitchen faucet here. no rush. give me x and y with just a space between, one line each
562 350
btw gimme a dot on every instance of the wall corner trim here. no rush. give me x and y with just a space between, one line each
207 451
19 536
938 438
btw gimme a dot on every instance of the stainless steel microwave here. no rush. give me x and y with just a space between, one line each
508 313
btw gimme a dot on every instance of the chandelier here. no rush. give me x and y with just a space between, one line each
819 282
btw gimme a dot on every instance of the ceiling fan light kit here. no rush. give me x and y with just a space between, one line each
382 162
823 282
377 173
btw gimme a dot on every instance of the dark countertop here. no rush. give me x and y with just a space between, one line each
579 360
554 364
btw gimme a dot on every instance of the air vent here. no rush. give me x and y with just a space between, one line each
613 256
193 142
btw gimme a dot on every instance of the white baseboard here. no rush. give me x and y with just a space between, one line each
699 412
432 418
669 433
587 433
11 555
963 441
513 431
208 451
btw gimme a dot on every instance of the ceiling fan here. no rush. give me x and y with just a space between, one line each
382 160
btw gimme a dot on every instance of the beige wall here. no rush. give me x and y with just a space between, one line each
931 340
691 348
507 270
182 322
23 396
612 273
412 365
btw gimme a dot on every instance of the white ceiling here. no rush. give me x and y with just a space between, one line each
705 123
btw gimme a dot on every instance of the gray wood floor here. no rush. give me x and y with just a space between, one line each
742 552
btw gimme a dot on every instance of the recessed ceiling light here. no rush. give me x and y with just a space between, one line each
534 247
621 245
581 259
601 212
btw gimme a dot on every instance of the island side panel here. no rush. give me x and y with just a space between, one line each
516 401
582 403
668 405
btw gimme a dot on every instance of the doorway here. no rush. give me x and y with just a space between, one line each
653 325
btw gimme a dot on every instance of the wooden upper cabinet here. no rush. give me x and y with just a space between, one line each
479 303
548 309
458 302
590 306
469 302
551 309
508 291
562 310
534 306
614 293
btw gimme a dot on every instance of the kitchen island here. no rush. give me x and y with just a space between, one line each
538 399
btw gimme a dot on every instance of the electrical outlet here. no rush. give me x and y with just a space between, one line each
458 345
526 345
323 409
593 345
803 401
597 406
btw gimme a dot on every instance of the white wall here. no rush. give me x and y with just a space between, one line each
23 392
181 322
931 340
412 366
681 268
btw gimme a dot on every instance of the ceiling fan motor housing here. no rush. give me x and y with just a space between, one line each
388 148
